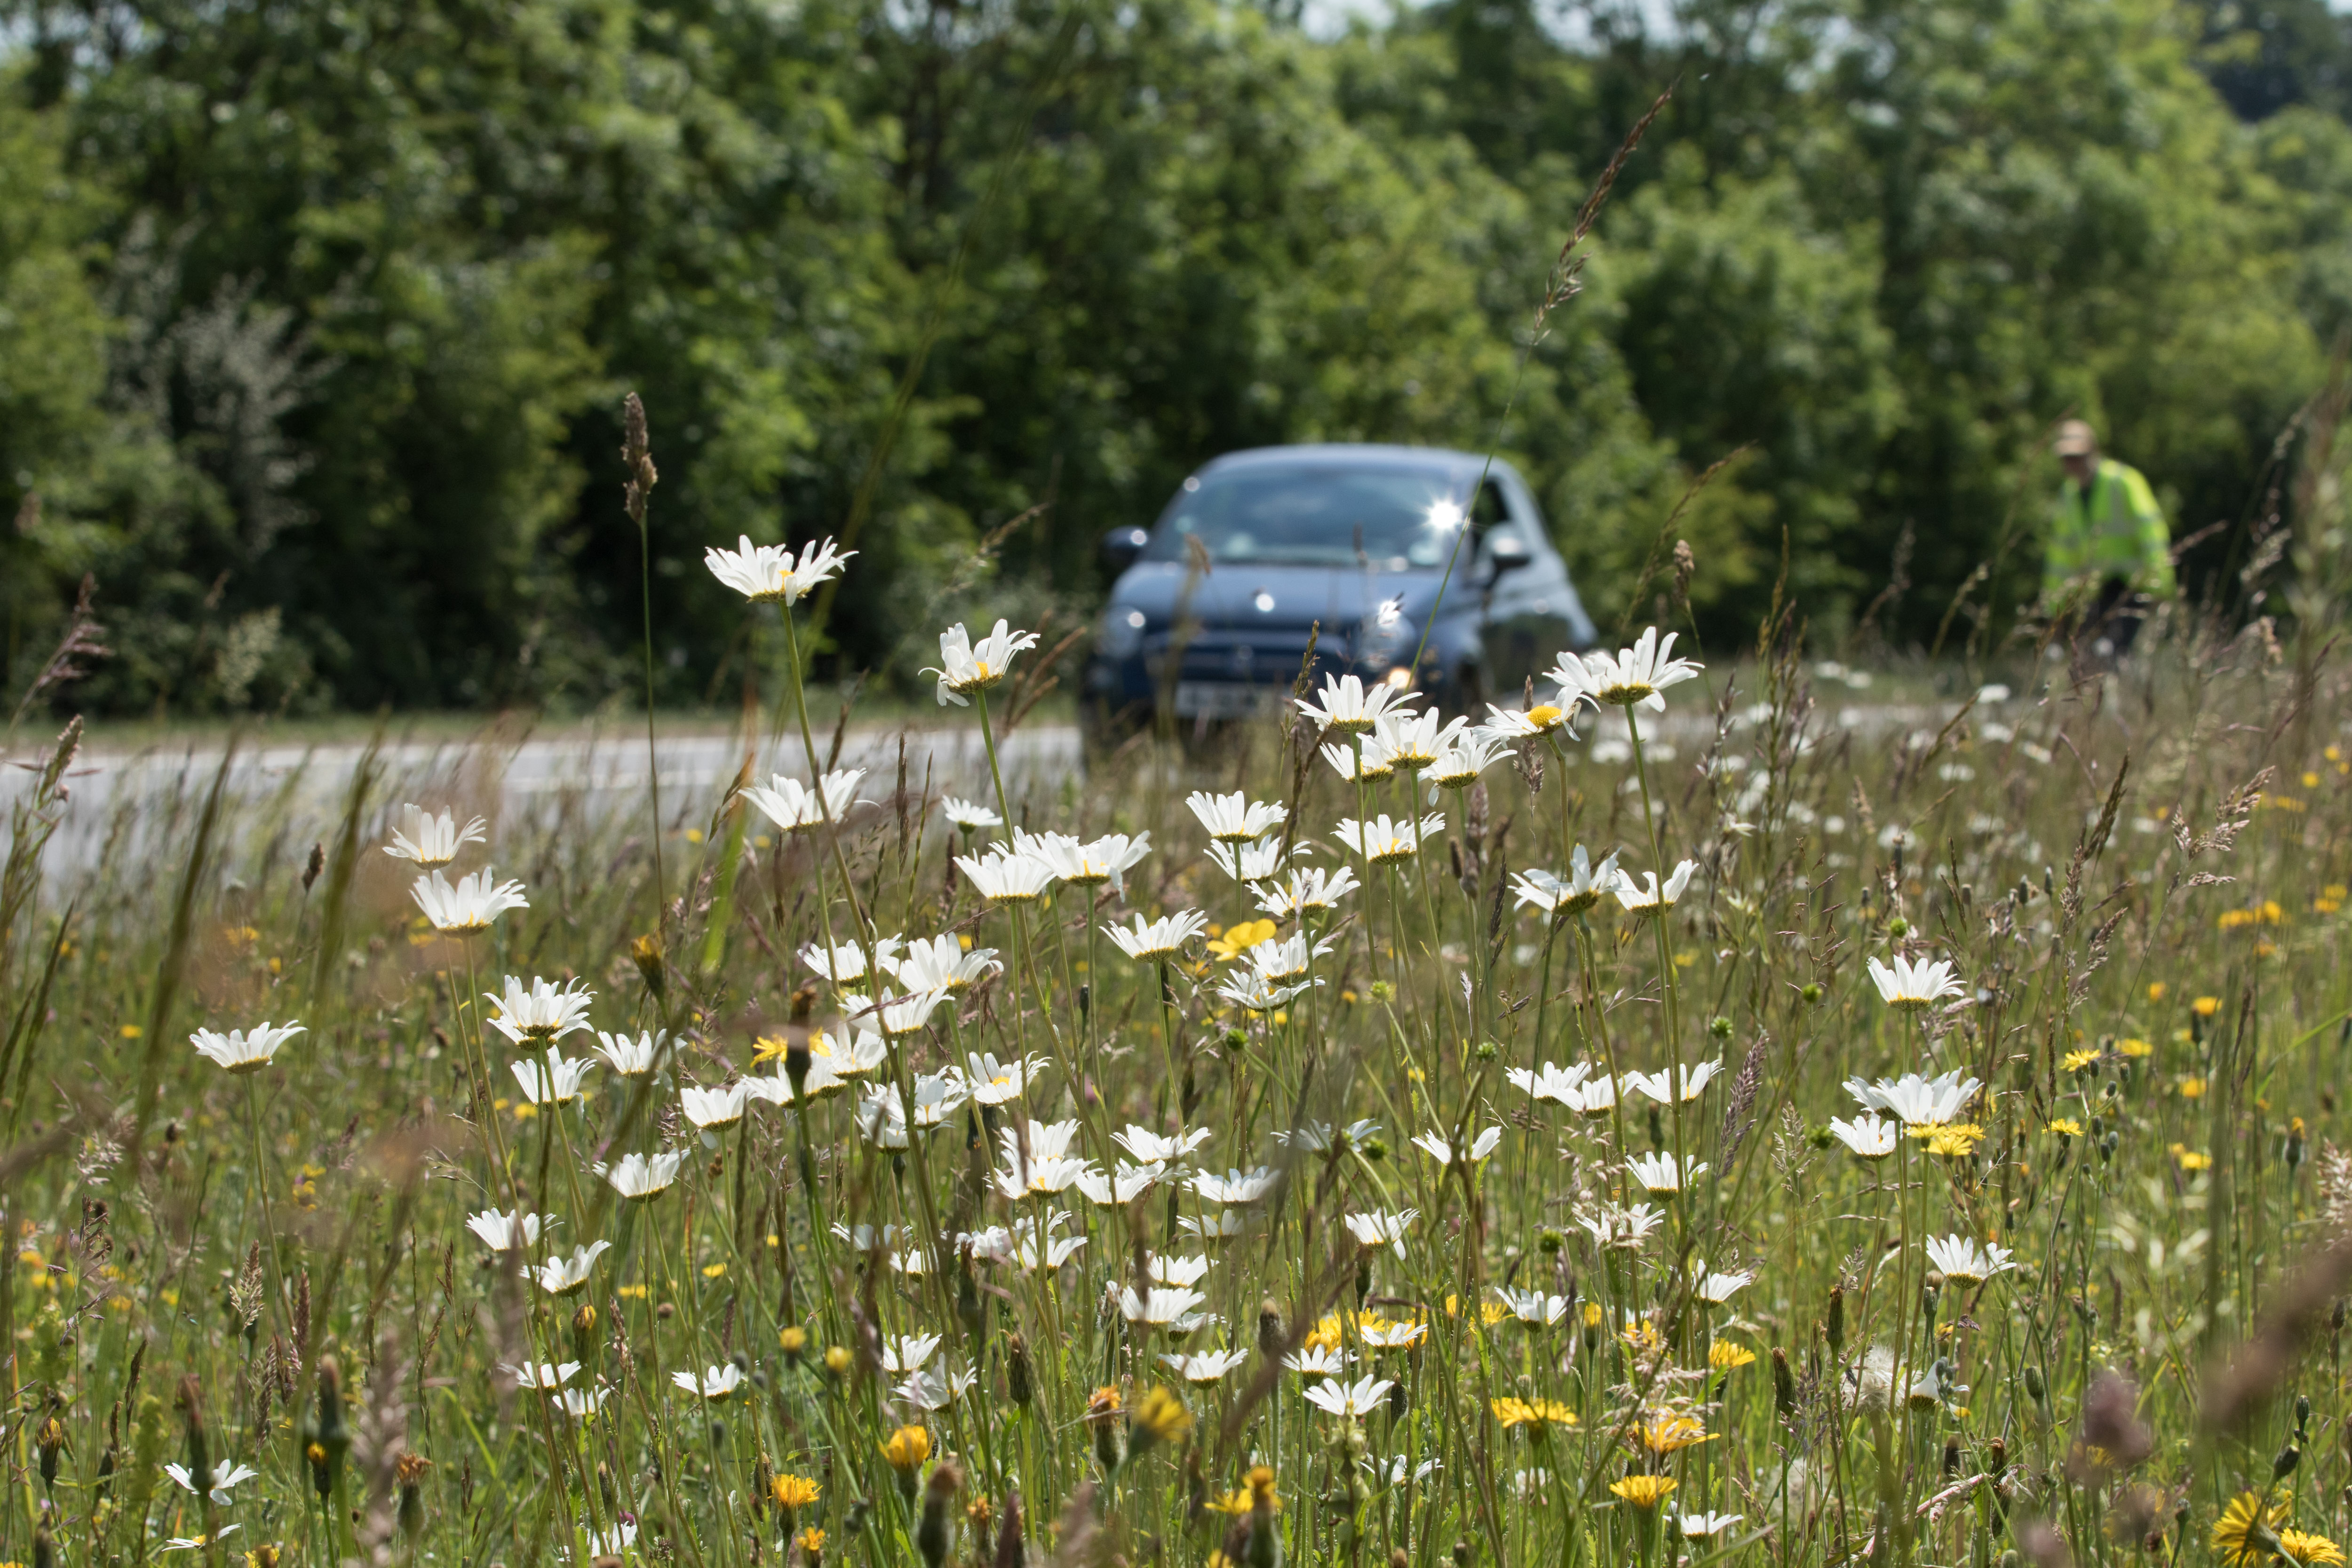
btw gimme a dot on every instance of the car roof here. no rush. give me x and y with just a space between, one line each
1465 465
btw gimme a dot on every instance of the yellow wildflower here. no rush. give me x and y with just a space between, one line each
792 1491
1644 1492
1539 1414
906 1447
2206 1006
2065 1126
1728 1355
2243 1535
2311 1551
1241 938
1666 1434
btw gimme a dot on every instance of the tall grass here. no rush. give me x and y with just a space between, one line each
2137 876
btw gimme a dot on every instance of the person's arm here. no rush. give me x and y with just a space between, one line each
2155 537
2064 550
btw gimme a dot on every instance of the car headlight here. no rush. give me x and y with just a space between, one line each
1122 631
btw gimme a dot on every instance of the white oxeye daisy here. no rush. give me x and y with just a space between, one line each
632 1057
1005 876
1106 860
847 962
768 574
1381 1228
637 1178
966 667
1470 754
1645 896
564 1276
1346 705
1281 960
1551 1082
1371 760
908 1352
717 1383
1234 818
1204 1366
1316 1361
1693 1080
970 815
1659 1174
1254 993
1168 1307
1120 1187
1311 890
431 840
1543 719
542 1014
1382 842
896 1017
1148 1147
1213 1227
999 1083
243 1050
1633 676
1620 1228
555 1083
1359 1398
1533 1308
935 1390
1393 1336
1594 1097
1716 1288
1316 1137
1912 986
1185 1271
1915 1101
1701 1526
504 1232
845 1053
1958 1258
796 807
470 905
1236 1186
541 1374
1867 1136
1445 1153
1583 887
226 1474
582 1404
1413 741
712 1108
1152 942
940 963
1260 862
882 1114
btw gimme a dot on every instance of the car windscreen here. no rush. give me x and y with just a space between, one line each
1393 519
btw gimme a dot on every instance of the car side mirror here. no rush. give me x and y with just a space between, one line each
1509 552
1121 546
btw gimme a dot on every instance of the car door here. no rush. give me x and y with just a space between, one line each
1532 614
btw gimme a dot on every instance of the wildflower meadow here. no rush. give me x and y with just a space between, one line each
1682 1113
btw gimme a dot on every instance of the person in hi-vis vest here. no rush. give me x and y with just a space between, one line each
2109 553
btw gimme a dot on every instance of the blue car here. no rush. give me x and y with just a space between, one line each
1213 607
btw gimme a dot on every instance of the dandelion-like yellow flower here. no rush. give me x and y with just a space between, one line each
838 1360
2192 1089
1324 1334
1728 1355
811 1541
792 1491
1159 1416
1104 1404
1260 1482
1239 938
1644 1492
2188 1159
2156 990
1667 1434
1956 1138
2243 1535
2135 1047
2311 1551
906 1448
2063 1126
2206 1006
1539 1414
2077 1060
793 1341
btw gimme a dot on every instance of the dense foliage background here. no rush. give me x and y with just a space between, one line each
314 318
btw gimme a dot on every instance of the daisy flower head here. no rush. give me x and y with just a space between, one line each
541 1374
1369 760
540 1015
1543 719
1470 754
555 1082
1715 1288
1351 1400
713 1108
1155 941
966 667
1281 960
1661 1087
1316 1361
1310 891
1558 897
1235 818
1661 1176
1551 1081
848 961
468 906
243 1050
882 1114
1704 1526
1435 1146
796 807
1867 1136
1958 1258
1635 676
1347 705
1254 993
432 839
1413 741
995 1082
1385 1335
226 1474
632 1057
504 1232
567 1276
1381 1228
1594 1097
909 1353
1119 1187
1533 1308
1918 1101
1236 1186
1260 860
640 1179
1645 896
1148 1147
932 1389
897 1016
1620 1228
1384 843
1005 875
968 816
1204 1366
1171 1309
717 1383
940 963
1910 985
1106 860
769 574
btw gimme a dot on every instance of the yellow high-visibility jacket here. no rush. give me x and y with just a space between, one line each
2117 531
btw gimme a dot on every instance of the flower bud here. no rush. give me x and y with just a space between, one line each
936 1532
